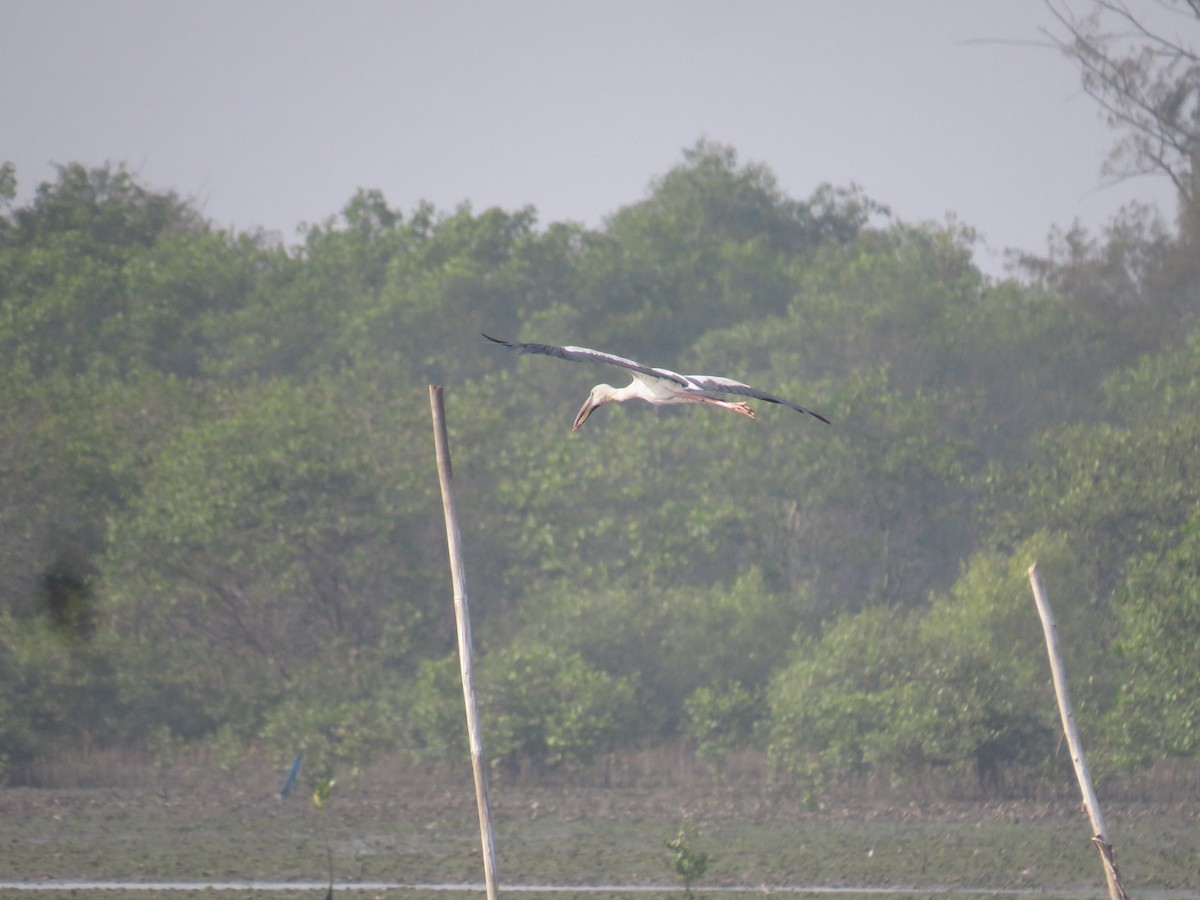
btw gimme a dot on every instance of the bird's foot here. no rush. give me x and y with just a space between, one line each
744 409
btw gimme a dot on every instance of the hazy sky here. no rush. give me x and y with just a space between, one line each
273 112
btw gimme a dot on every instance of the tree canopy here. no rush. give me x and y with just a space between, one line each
221 520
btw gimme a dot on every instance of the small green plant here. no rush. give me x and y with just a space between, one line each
320 796
690 863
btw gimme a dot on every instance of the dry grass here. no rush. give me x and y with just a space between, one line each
128 820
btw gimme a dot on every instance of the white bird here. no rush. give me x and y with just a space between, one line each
654 385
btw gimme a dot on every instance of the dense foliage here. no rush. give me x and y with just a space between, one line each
221 522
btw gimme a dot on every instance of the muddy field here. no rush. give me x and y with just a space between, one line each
390 826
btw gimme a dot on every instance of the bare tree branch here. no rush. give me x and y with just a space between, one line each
1146 83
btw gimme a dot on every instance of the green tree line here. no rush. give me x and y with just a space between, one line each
221 523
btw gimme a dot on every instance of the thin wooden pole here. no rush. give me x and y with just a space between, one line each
1090 802
462 617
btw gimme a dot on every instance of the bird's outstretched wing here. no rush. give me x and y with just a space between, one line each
583 354
717 384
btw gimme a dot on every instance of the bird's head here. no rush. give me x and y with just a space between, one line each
601 394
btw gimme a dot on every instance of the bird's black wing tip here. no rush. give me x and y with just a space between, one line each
508 344
801 409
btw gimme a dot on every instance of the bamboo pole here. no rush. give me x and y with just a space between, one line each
462 617
1090 803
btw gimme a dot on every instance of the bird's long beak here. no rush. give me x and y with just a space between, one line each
584 412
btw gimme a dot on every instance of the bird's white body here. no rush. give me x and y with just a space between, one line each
659 391
643 387
653 385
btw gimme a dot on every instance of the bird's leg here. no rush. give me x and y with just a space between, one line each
739 406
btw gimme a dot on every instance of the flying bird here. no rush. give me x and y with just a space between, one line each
654 385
